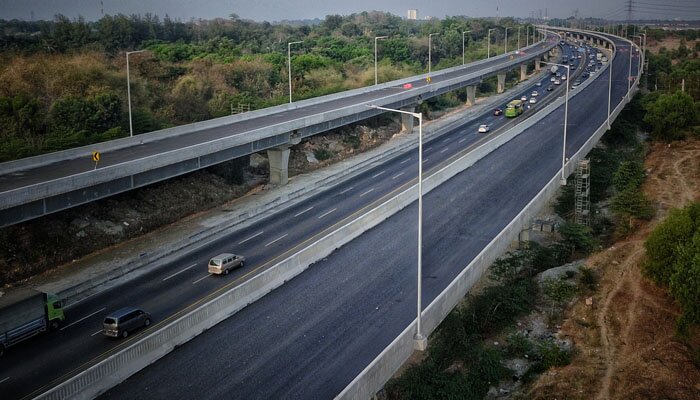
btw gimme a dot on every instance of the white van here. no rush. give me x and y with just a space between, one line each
225 262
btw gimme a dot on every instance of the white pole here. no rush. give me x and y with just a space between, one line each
566 115
419 333
289 67
375 56
610 66
629 74
420 341
519 37
527 36
505 42
128 89
488 45
430 41
463 45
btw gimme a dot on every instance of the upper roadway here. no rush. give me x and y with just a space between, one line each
48 183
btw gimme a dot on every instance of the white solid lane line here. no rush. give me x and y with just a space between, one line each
425 160
397 175
463 140
1 381
178 272
83 319
347 190
302 212
100 331
252 237
366 192
376 175
446 140
279 238
326 213
405 161
429 148
444 150
201 279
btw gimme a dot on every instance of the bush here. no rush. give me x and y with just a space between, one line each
323 154
558 290
673 259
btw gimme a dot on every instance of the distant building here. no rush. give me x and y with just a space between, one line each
412 14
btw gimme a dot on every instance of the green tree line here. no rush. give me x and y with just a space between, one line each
63 82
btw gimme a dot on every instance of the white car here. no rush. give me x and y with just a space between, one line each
535 94
523 98
483 128
563 77
557 82
538 84
533 100
552 79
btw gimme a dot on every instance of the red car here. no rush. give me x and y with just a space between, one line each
498 111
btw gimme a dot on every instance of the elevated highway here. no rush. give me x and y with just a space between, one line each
36 186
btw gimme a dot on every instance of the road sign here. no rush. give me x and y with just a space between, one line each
95 156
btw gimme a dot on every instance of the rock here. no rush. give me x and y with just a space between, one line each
589 301
80 223
335 146
258 161
558 273
311 157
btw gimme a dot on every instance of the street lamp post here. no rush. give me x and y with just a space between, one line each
289 66
128 88
488 45
566 117
610 66
527 35
463 45
629 73
505 42
430 41
519 37
375 56
420 341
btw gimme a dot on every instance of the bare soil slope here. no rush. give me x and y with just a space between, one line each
626 345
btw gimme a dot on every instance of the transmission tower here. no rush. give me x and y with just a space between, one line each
583 191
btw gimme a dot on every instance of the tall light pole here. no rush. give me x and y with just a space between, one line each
419 340
505 42
527 35
463 45
128 88
629 74
519 37
488 45
289 66
375 56
562 181
430 45
610 66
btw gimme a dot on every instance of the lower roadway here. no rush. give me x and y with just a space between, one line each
312 336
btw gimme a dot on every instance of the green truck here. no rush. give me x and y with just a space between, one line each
26 313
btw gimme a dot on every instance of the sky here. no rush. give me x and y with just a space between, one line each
277 10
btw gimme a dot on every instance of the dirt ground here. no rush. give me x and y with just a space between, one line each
625 341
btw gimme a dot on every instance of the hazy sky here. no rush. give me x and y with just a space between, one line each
275 10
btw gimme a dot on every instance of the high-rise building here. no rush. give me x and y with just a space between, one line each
412 14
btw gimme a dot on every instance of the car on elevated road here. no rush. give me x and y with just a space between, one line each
498 111
483 128
225 262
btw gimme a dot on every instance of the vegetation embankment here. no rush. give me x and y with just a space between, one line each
63 82
602 322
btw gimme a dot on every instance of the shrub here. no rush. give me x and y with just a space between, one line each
558 290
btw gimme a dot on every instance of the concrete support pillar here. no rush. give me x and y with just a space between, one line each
407 120
538 61
471 95
545 56
278 158
501 83
523 72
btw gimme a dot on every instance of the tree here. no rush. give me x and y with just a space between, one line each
630 174
663 243
577 238
670 114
